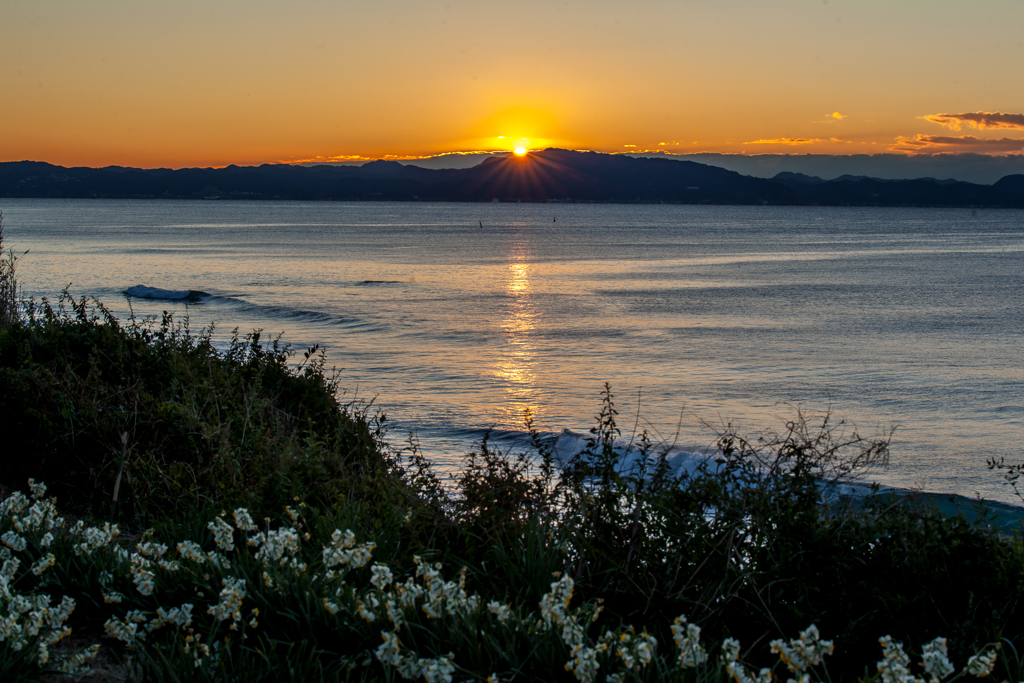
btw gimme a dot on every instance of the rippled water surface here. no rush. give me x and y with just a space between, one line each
456 317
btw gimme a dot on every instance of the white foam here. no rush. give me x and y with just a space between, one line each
568 445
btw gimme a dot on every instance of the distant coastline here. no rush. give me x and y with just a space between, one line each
550 175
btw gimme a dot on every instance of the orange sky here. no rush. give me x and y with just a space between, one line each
210 83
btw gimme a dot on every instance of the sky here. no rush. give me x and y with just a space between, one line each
186 83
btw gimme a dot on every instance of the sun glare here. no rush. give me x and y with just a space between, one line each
520 151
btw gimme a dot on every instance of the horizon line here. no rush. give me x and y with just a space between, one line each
359 160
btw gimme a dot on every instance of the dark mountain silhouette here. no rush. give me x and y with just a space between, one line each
549 175
1012 185
559 175
793 180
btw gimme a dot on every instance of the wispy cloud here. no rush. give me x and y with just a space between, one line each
934 144
785 141
978 119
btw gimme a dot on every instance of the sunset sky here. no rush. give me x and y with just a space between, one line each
215 82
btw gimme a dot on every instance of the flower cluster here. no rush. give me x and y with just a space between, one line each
894 667
378 599
343 551
736 670
981 664
223 534
276 546
935 660
230 605
36 516
442 596
687 639
803 653
499 610
409 666
92 539
634 650
30 620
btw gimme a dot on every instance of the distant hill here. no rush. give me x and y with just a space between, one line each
549 175
983 169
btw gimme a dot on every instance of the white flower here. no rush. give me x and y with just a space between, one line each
935 659
126 631
76 664
687 640
584 663
191 551
142 574
499 610
38 490
223 534
16 503
390 651
364 609
95 538
230 604
437 670
380 576
738 673
278 544
13 541
644 646
554 603
43 564
394 612
805 652
179 616
981 664
342 552
895 665
243 522
730 650
152 550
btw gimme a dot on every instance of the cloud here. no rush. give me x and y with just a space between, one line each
837 115
978 119
933 144
785 141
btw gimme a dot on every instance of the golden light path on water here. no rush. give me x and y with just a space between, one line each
515 365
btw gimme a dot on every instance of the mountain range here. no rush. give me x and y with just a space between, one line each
551 175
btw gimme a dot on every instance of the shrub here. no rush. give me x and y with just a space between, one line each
83 397
746 545
9 291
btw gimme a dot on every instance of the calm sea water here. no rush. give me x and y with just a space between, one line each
457 317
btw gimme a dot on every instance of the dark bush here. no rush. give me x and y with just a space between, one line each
196 426
746 546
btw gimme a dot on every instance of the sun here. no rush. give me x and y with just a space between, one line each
519 151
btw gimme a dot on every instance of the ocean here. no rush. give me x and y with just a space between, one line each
456 318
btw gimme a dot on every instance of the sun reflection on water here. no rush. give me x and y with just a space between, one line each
514 366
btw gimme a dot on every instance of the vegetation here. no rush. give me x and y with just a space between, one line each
215 514
9 293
